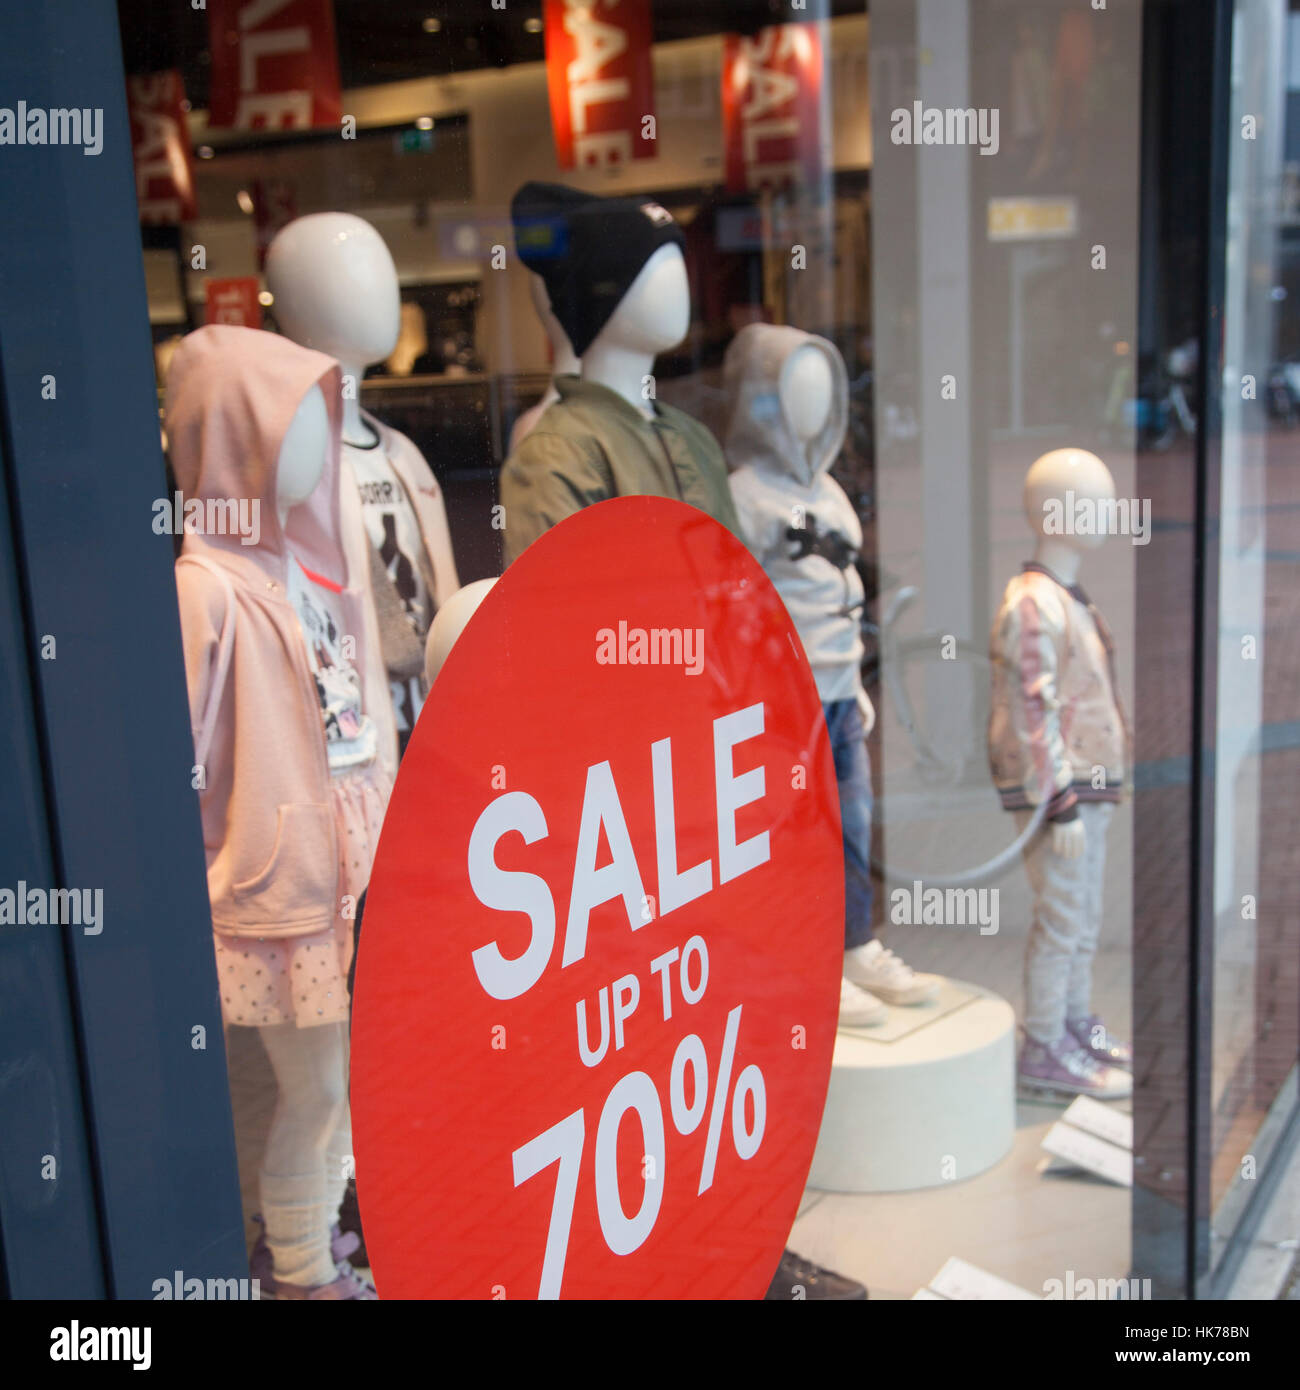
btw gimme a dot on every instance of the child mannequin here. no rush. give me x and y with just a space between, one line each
1057 733
788 410
292 791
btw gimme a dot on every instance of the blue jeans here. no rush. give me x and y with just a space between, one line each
853 778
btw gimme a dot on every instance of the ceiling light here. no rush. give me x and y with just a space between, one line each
206 152
245 200
432 24
266 299
424 123
533 26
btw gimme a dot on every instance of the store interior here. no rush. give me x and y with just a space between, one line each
451 117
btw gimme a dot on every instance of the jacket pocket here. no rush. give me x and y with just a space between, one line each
294 891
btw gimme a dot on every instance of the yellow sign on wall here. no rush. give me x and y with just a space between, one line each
1028 219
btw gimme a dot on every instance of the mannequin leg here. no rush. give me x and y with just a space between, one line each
853 780
338 1159
1059 887
873 976
1096 817
310 1070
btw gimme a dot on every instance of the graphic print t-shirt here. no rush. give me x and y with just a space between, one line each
394 531
351 739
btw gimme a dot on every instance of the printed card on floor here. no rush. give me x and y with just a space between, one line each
957 1279
1088 1152
1104 1121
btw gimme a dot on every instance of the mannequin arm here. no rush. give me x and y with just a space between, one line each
437 535
1069 838
1032 635
548 478
761 525
867 710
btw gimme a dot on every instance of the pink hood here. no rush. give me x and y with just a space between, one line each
231 395
265 791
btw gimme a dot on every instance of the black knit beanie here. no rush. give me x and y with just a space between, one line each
587 249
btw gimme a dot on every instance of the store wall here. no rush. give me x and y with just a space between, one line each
510 142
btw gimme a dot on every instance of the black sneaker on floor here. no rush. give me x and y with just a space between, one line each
350 1221
797 1278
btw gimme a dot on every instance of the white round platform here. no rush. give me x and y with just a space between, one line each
924 1099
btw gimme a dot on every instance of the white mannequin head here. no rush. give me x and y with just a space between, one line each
1050 478
451 620
564 360
807 390
655 313
335 287
303 452
653 316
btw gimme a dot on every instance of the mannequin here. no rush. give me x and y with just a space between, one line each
292 787
652 317
1057 732
336 290
805 390
564 361
616 281
787 410
302 455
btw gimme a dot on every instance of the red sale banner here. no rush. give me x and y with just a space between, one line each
776 126
274 65
160 145
234 301
601 81
597 990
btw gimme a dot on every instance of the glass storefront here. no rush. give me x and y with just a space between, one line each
1255 943
972 323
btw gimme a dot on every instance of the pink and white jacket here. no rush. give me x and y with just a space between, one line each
1057 728
266 794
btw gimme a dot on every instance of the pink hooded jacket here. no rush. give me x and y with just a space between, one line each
268 818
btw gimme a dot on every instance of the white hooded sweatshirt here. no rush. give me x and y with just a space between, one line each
795 517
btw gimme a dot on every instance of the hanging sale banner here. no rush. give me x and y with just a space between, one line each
601 81
775 117
233 301
160 146
275 65
597 991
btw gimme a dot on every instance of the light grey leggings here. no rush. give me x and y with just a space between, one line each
1068 895
308 1148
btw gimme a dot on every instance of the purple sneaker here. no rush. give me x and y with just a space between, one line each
1096 1039
1068 1067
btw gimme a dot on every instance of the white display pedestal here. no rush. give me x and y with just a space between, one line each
924 1099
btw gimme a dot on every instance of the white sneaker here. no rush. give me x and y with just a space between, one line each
873 968
858 1009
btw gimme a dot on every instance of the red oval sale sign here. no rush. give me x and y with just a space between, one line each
597 990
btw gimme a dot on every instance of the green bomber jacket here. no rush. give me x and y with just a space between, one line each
592 445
